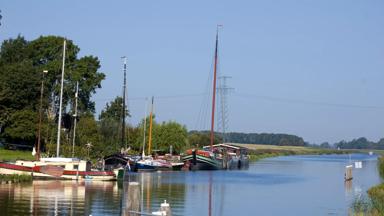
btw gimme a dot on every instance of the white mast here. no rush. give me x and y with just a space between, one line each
61 101
75 121
145 126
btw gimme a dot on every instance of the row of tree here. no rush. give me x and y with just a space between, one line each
22 63
266 138
103 136
360 143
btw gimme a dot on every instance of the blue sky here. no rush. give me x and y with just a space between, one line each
310 68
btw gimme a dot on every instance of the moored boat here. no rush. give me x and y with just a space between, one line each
148 163
207 159
234 157
196 159
56 168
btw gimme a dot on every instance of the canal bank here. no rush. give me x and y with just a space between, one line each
375 204
259 151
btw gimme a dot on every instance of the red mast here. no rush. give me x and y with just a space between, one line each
214 89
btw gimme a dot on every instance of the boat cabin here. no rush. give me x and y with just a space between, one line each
222 147
66 163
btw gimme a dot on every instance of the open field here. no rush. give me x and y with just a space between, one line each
13 155
259 151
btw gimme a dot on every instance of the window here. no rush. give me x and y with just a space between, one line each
76 167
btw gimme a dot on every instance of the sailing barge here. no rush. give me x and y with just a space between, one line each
215 157
196 159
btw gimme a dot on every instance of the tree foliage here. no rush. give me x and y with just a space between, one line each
171 134
360 143
21 65
22 127
202 138
114 110
266 138
110 125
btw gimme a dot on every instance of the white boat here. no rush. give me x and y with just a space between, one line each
56 168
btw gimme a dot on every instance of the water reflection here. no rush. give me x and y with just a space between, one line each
277 186
348 187
144 192
59 198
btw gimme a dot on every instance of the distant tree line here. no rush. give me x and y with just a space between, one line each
360 143
203 138
22 63
266 138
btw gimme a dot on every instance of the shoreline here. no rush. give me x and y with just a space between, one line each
258 151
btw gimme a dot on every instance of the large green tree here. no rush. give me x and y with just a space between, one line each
164 135
111 124
22 127
114 110
21 65
171 134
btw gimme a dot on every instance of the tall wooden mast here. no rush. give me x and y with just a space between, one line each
214 89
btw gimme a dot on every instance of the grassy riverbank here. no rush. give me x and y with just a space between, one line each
376 194
13 155
257 151
373 204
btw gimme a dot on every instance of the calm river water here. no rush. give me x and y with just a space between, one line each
292 185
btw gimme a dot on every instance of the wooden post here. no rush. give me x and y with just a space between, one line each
348 173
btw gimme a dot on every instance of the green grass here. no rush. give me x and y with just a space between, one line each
377 197
13 155
374 204
381 165
376 193
362 206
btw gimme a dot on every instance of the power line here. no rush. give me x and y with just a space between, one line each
157 97
308 102
264 97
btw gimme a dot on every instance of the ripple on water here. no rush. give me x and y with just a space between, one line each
279 186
